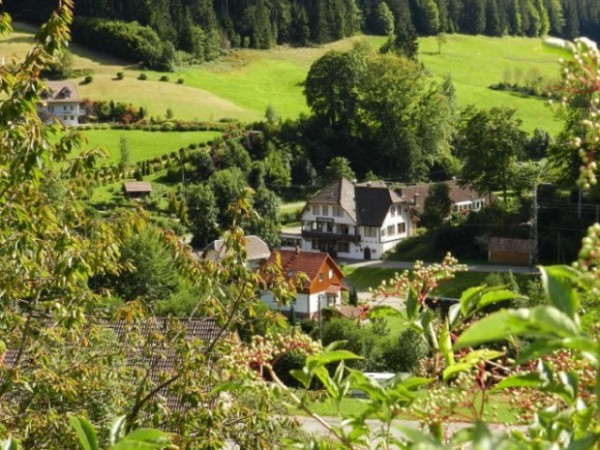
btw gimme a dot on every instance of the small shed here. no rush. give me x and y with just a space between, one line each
137 189
510 250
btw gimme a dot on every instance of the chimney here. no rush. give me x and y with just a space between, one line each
297 250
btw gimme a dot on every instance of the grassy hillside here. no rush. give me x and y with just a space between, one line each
245 82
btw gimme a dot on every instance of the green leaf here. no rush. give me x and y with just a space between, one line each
470 361
559 284
586 443
542 321
385 311
479 297
144 439
11 444
302 376
115 430
85 433
226 386
412 304
445 344
528 380
314 362
419 437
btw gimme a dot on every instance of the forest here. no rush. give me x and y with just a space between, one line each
160 33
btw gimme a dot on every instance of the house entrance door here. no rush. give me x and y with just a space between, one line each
367 253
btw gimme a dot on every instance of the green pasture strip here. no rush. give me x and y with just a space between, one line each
146 144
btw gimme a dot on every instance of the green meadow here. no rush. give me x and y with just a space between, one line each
145 144
244 82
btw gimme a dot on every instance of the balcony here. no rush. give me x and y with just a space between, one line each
325 236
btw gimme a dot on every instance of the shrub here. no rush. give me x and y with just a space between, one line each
88 79
180 81
120 75
143 76
164 78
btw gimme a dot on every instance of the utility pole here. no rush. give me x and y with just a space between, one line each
534 225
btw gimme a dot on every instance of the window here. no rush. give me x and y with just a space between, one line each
315 210
344 247
382 232
393 211
401 228
330 227
330 274
370 231
315 244
321 277
338 211
325 210
343 229
391 230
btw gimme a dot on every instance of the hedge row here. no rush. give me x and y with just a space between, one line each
165 126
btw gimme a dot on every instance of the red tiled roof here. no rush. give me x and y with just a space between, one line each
294 262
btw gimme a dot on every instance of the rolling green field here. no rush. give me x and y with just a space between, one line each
146 144
245 82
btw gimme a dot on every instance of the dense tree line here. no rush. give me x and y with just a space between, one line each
150 30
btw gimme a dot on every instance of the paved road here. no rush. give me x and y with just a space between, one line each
402 265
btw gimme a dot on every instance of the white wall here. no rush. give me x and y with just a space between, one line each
67 113
305 304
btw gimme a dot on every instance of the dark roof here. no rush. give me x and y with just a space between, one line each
137 186
60 92
458 193
373 204
164 360
366 203
512 245
339 193
256 249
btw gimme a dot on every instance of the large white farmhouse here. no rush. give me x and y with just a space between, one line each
60 100
356 221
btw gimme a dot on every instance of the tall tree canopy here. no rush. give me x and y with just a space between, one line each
489 143
387 110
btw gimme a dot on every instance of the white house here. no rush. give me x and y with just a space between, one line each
355 221
464 198
321 288
60 101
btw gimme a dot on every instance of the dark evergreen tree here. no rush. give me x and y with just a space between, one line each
571 11
494 25
426 16
472 19
555 16
404 42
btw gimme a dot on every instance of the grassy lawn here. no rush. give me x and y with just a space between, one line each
146 144
363 278
497 410
243 83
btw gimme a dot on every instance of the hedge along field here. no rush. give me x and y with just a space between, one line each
245 82
145 144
